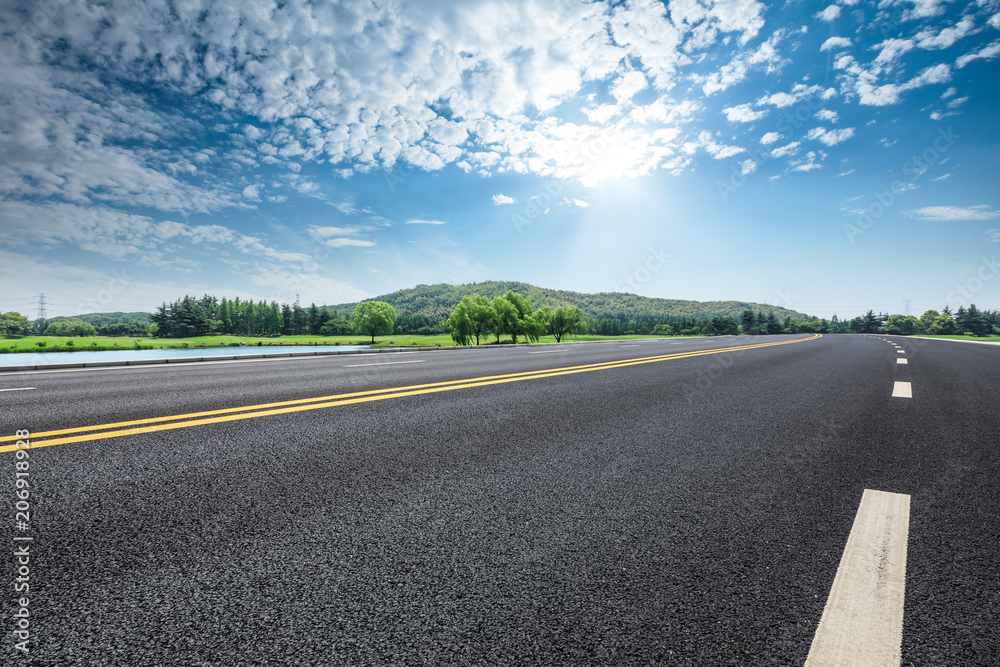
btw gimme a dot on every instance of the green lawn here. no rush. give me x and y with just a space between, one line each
958 337
61 343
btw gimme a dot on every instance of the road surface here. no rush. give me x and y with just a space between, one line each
635 502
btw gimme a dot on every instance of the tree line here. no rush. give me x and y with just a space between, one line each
190 316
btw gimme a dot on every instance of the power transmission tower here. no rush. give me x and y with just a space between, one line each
906 307
297 304
41 306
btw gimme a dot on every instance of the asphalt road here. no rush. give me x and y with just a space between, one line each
690 510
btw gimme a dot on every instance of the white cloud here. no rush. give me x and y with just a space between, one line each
742 114
988 52
799 91
928 39
807 163
748 167
417 221
787 149
627 85
922 8
501 199
835 43
956 213
830 137
770 138
890 93
716 150
890 51
994 235
579 203
829 14
827 115
995 21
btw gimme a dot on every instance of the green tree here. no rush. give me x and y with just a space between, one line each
514 318
561 321
373 318
14 324
460 323
482 315
870 322
748 322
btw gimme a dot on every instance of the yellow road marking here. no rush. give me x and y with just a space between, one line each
299 405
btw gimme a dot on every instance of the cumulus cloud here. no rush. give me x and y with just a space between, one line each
788 149
417 221
743 113
830 137
831 13
798 92
770 138
501 199
835 43
988 52
827 115
928 39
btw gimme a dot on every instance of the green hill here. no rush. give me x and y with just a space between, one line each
436 302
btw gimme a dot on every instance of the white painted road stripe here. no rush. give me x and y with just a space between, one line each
386 363
862 623
18 389
901 351
547 351
900 360
902 390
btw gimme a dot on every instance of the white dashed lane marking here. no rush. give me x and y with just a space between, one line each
900 360
902 390
862 622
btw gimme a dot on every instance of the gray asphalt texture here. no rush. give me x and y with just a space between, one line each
687 512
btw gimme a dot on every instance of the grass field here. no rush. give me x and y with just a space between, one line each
80 343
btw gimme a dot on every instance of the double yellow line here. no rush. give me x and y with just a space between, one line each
153 424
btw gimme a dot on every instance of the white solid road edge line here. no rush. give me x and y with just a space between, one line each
862 622
18 389
902 390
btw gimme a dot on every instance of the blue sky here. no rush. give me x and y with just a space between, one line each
829 157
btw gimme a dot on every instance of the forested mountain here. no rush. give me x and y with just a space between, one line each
436 302
105 324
